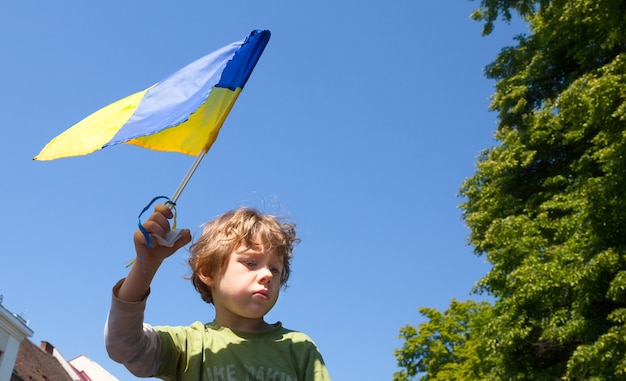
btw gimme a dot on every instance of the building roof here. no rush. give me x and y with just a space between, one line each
35 364
85 366
13 324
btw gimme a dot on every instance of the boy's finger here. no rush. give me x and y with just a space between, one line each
159 219
184 239
164 210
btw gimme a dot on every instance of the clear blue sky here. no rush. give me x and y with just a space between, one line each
360 122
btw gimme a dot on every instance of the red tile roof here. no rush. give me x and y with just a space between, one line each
35 364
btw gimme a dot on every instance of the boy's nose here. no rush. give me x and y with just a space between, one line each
265 275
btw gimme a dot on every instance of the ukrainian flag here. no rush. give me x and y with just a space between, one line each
182 113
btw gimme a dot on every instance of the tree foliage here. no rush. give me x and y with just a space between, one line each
447 346
547 205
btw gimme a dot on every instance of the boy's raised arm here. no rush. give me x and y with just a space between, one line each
148 260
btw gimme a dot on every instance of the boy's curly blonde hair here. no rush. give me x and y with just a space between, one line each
242 226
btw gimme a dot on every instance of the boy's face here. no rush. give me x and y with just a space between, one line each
248 288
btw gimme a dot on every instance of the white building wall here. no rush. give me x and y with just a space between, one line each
13 331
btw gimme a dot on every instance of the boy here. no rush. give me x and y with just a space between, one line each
238 264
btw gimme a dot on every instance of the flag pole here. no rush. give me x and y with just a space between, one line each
187 177
174 234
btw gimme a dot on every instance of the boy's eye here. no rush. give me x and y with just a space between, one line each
250 263
274 270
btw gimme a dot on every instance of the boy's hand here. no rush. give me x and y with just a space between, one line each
158 225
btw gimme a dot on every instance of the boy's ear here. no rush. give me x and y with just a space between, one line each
209 280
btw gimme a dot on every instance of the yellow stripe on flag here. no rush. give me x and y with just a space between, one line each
91 133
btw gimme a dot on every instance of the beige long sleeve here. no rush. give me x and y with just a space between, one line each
128 340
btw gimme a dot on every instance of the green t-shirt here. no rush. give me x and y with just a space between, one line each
210 352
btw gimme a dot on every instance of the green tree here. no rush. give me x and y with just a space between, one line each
547 205
448 346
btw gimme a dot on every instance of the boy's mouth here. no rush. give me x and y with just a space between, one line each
261 294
